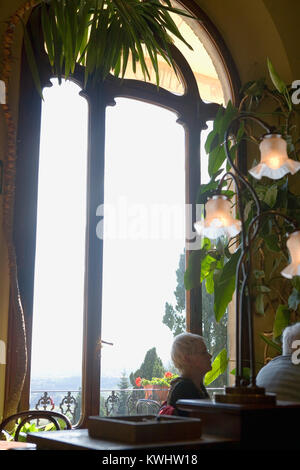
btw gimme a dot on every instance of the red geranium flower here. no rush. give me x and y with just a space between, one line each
138 381
168 375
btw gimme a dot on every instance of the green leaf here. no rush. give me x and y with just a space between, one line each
254 88
282 320
294 299
212 141
205 191
282 198
277 82
84 18
32 62
208 264
219 366
271 195
56 27
225 285
263 289
247 209
271 343
193 271
209 283
206 243
245 372
272 242
230 113
218 118
229 194
215 140
46 25
216 159
296 283
259 304
209 189
69 29
50 427
258 274
240 132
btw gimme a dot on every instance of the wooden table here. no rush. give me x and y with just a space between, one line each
79 439
256 427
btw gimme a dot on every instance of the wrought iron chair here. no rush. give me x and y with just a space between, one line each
30 415
147 406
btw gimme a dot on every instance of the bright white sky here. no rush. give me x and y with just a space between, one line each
144 166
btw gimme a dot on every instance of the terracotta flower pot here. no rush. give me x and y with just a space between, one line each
161 392
148 391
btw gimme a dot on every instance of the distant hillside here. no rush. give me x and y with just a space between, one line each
69 383
55 383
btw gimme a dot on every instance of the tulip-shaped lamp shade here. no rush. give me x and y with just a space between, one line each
218 220
293 244
275 162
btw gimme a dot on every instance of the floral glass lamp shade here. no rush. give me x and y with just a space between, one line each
218 220
275 162
293 244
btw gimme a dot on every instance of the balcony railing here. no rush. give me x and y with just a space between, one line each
113 402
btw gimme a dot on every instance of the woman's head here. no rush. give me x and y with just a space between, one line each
189 352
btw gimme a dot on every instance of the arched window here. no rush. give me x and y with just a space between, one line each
186 105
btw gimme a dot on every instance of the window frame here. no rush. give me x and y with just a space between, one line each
192 114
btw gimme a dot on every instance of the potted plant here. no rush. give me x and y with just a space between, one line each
102 35
157 387
214 264
147 386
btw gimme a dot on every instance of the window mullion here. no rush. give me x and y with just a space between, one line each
94 256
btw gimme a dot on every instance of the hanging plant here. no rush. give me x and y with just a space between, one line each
102 35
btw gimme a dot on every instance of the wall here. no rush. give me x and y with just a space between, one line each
252 31
251 35
7 9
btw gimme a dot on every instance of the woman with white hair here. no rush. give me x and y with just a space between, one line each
190 356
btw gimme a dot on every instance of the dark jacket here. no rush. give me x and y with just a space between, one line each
183 388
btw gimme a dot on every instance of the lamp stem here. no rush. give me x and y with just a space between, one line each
240 393
243 263
238 310
273 213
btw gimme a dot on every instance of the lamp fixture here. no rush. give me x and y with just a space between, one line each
275 163
293 244
218 220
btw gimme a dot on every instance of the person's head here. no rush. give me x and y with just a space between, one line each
189 354
289 335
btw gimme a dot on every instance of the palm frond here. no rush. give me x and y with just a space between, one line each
103 34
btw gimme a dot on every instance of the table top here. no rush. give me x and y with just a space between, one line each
79 439
193 404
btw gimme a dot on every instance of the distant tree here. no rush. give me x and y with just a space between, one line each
174 317
102 406
123 395
152 366
171 368
78 408
214 333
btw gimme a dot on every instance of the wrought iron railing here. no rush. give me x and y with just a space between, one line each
67 402
113 402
